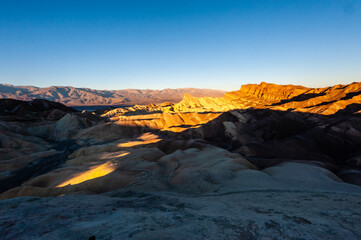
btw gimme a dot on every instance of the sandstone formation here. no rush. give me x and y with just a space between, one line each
325 101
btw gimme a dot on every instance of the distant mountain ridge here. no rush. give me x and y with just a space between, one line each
72 96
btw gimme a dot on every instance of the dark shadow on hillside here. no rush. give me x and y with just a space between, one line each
273 134
350 109
271 137
299 98
351 95
322 104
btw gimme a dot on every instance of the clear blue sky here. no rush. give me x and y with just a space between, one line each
170 44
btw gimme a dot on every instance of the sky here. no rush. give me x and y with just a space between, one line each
174 44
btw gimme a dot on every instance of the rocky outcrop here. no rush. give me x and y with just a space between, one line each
324 101
250 214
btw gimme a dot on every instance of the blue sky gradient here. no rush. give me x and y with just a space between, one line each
171 44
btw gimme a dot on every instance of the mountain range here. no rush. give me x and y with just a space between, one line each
72 96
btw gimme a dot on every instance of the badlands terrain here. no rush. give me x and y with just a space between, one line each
264 162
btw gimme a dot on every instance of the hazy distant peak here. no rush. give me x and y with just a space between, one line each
85 96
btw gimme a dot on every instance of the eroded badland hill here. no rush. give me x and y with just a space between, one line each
264 162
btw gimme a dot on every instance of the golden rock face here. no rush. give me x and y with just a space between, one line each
324 101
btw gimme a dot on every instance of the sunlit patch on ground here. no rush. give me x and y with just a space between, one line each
95 172
137 143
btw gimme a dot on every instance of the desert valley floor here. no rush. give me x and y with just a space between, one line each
265 162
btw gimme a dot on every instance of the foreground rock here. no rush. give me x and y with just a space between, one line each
252 214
